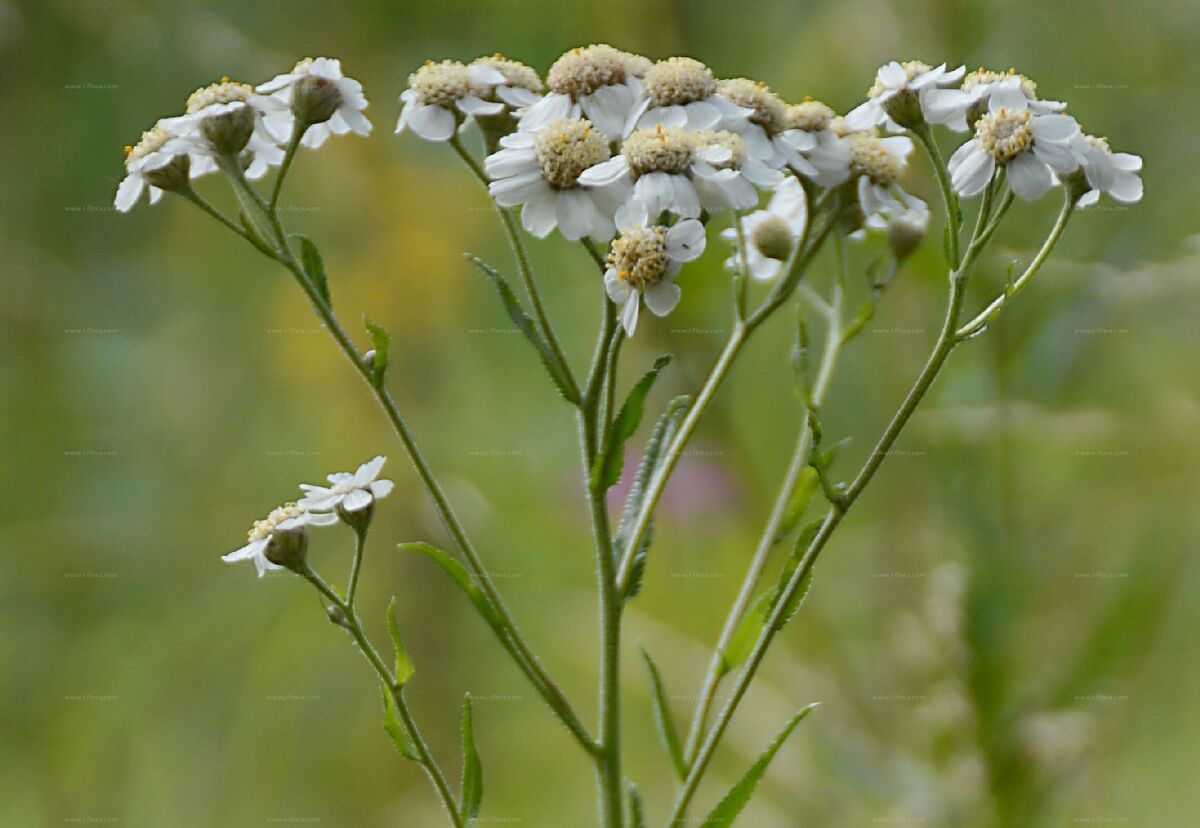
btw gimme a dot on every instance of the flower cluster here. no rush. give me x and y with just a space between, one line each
280 540
249 126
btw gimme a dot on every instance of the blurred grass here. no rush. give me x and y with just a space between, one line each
1003 634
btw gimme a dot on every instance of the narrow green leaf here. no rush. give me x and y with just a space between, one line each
380 341
314 266
394 728
471 792
731 805
660 437
637 819
606 469
404 664
802 494
662 717
558 371
458 573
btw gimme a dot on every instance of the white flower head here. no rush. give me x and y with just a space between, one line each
762 130
519 85
283 526
1114 173
444 95
349 492
1029 146
645 259
811 129
542 171
682 92
598 82
227 118
317 89
877 163
961 113
159 160
906 94
677 171
771 234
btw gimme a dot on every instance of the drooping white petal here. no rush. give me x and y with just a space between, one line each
537 215
356 500
128 192
606 172
517 189
661 298
433 123
1126 187
618 291
1029 177
685 240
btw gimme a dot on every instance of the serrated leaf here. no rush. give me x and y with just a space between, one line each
394 728
314 266
606 468
458 573
512 306
661 436
662 718
741 643
471 791
380 342
404 664
637 819
731 805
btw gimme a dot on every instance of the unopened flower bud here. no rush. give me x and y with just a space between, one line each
773 238
357 519
905 108
288 548
369 359
904 233
315 99
172 177
229 131
336 615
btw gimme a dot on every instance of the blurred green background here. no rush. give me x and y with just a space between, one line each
1003 634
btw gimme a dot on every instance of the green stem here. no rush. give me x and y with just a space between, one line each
522 653
353 625
298 131
360 545
518 248
834 343
924 136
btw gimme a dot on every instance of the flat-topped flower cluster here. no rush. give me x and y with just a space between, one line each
613 143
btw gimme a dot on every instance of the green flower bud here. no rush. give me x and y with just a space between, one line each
173 177
315 99
288 548
229 132
773 238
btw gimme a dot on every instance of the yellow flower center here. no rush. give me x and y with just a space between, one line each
770 111
226 91
1005 133
868 157
661 149
585 69
679 80
441 83
566 148
639 256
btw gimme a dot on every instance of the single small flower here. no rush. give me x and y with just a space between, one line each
645 259
445 95
682 92
317 93
284 531
905 95
827 151
905 225
762 130
519 85
771 234
598 82
1030 147
877 164
158 162
542 171
225 118
963 112
1114 173
350 492
725 175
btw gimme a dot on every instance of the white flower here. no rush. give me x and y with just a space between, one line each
904 94
682 92
351 492
677 171
771 234
762 130
441 96
1030 147
158 157
288 518
961 112
347 115
596 82
519 86
226 118
814 132
644 261
878 163
542 170
1115 173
